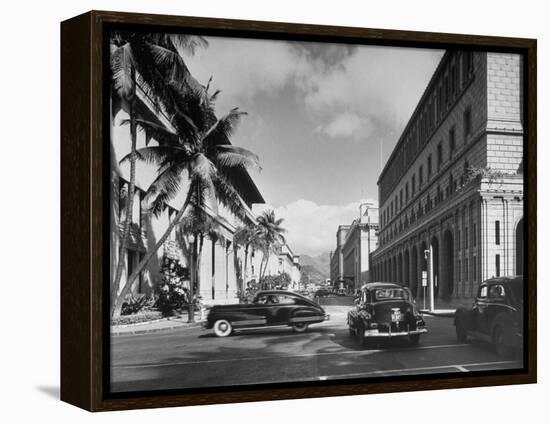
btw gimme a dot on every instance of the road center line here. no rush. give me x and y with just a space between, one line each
284 357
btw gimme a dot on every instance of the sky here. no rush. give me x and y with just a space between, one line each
322 117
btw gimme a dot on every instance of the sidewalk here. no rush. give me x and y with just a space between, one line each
446 308
167 323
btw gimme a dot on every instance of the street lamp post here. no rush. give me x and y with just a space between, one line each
428 257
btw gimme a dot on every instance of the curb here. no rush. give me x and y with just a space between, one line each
152 330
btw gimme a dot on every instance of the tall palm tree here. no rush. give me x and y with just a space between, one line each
158 60
271 235
197 153
247 236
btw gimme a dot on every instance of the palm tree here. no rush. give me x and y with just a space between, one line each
199 153
247 236
157 58
271 236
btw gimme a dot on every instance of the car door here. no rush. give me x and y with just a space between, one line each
285 306
496 304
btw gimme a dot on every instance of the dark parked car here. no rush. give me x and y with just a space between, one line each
496 316
322 292
385 310
267 309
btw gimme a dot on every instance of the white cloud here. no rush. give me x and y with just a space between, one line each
311 228
351 89
348 125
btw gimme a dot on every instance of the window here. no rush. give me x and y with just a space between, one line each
429 166
467 123
497 232
466 269
497 264
406 192
439 156
474 264
413 184
459 269
474 234
482 292
467 65
453 80
496 291
452 141
451 182
420 175
401 198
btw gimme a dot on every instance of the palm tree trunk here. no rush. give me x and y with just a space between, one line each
265 267
245 269
131 279
191 305
130 199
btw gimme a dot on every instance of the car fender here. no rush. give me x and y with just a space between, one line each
465 316
506 322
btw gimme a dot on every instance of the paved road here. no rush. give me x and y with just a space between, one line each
193 357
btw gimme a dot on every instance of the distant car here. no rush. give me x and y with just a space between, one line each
267 309
385 310
322 292
496 316
341 292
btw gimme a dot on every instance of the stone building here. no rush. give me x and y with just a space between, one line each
350 261
453 184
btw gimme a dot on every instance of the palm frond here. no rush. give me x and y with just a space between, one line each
122 63
158 132
231 156
221 131
227 195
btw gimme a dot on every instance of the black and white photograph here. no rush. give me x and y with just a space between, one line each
286 211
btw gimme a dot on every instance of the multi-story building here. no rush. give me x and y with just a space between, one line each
350 260
336 256
221 271
452 189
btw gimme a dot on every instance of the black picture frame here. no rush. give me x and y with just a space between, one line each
84 160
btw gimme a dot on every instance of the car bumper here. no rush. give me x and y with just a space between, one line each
375 333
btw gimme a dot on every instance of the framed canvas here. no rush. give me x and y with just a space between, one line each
257 211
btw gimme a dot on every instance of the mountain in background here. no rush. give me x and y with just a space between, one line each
317 268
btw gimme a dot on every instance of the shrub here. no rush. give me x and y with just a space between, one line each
137 318
136 304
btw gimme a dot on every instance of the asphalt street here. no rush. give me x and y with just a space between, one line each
194 357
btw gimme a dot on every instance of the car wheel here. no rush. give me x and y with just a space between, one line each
461 333
351 331
499 342
414 339
300 327
222 328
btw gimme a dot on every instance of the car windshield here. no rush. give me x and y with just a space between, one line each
383 294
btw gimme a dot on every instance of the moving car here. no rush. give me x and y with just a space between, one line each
322 292
496 316
385 310
267 309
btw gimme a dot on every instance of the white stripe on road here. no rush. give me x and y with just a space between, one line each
419 369
284 357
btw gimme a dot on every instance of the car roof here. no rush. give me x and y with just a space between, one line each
277 291
503 279
373 285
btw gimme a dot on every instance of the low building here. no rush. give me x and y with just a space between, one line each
350 267
452 189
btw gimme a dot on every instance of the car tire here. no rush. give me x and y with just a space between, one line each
351 331
300 327
222 328
498 340
414 339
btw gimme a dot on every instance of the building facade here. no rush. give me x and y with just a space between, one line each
222 271
355 242
452 189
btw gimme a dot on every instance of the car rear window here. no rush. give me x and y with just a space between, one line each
383 294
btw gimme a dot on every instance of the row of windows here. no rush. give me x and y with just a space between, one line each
399 201
446 90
